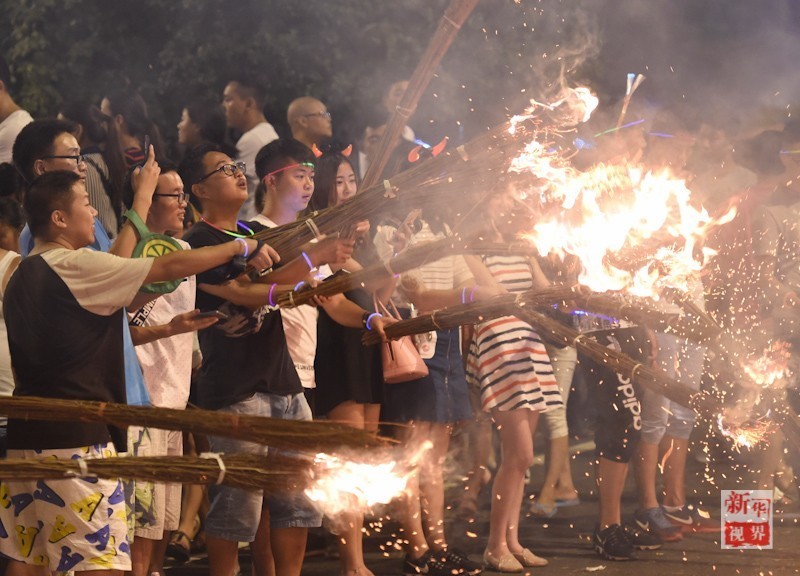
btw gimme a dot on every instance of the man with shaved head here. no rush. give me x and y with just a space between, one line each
243 102
309 121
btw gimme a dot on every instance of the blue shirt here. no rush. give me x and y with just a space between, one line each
134 379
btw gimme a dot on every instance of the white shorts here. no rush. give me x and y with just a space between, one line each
157 506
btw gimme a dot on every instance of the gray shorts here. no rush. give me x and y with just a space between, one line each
234 513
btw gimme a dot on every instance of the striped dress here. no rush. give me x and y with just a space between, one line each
507 360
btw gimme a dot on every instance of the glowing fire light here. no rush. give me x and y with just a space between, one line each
747 434
613 210
771 366
344 486
597 214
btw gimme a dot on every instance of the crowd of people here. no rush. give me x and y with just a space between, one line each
84 319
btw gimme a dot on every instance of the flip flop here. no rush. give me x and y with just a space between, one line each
566 503
541 511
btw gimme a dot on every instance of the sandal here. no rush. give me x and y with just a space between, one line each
542 510
199 543
179 547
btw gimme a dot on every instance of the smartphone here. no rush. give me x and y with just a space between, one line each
146 148
214 314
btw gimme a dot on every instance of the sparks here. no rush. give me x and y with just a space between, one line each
746 434
771 366
341 485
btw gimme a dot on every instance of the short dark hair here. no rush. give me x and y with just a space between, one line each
35 141
192 168
250 88
210 118
280 153
50 191
166 166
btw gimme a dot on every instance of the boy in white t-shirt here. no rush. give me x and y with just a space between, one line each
163 331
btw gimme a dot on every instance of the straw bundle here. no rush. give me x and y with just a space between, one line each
649 377
447 179
474 312
241 470
456 14
285 434
412 258
696 328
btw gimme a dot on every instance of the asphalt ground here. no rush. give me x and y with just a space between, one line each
565 539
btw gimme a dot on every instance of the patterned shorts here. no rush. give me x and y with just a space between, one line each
65 525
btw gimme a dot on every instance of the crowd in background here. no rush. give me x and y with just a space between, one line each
226 176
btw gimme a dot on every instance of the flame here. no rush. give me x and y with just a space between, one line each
769 367
610 208
747 434
339 485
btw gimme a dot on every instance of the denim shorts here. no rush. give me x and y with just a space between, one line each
234 513
680 360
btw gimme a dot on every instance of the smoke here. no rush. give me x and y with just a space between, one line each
728 63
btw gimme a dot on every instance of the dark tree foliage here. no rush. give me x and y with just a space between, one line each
697 55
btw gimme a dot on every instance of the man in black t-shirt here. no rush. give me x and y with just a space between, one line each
246 369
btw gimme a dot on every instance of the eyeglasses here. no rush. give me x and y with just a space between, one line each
324 114
227 169
79 158
182 197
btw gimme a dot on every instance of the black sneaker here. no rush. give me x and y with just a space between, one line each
612 544
457 559
642 539
427 564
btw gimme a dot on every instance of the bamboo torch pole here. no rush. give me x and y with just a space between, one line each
456 14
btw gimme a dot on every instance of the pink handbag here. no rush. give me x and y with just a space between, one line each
401 359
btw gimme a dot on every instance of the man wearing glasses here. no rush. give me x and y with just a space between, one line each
164 349
45 146
310 121
247 368
243 102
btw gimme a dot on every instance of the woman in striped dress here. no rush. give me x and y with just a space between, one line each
509 365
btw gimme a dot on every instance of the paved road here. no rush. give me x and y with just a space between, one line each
564 540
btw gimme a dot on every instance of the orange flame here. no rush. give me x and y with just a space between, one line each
345 486
769 367
597 214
